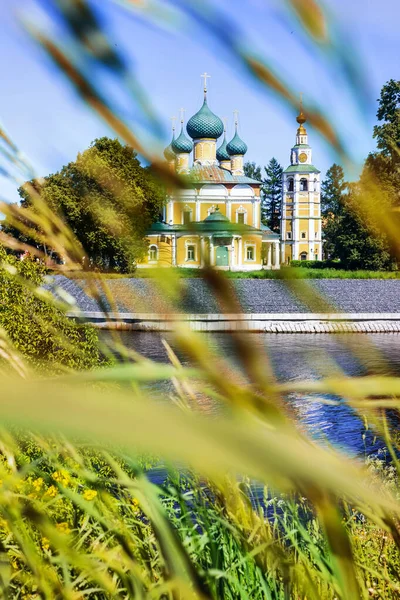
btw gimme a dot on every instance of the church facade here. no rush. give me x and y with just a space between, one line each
215 218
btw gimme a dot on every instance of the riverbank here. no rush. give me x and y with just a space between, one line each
296 273
194 296
250 323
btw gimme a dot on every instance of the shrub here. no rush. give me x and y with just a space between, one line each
36 328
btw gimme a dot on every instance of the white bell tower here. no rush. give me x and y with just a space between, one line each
301 202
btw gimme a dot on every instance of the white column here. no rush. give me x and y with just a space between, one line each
197 209
230 253
171 211
254 205
202 249
276 256
240 251
229 209
211 250
174 250
269 253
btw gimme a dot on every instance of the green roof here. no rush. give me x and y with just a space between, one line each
302 146
222 153
216 216
301 169
205 124
236 146
182 144
222 227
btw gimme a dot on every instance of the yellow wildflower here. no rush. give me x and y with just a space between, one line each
63 527
45 543
135 503
51 491
62 477
38 484
89 494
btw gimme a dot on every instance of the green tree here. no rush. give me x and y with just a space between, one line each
271 190
359 242
387 133
37 330
384 165
333 189
252 170
108 200
272 195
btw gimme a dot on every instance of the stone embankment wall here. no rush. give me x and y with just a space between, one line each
320 306
251 323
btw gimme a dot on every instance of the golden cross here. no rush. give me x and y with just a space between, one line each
173 119
182 113
205 76
301 101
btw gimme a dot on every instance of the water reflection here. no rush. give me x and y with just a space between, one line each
301 356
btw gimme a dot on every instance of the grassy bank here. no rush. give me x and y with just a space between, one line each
92 525
285 272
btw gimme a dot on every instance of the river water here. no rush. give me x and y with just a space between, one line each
301 356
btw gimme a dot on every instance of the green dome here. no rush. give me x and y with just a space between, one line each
236 146
216 216
182 144
169 152
204 124
222 152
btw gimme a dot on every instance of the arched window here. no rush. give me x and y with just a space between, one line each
187 217
241 216
190 252
303 185
290 184
153 253
303 256
250 253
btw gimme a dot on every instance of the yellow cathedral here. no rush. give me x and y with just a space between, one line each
216 218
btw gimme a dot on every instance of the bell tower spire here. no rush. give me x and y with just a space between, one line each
301 201
302 137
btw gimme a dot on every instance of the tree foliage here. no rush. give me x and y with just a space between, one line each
37 330
332 207
353 214
252 170
387 132
271 190
272 195
108 200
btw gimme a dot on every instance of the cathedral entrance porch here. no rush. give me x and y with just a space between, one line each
222 256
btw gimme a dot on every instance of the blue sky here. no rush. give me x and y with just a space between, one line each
50 124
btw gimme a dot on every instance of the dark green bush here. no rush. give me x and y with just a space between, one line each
37 329
316 264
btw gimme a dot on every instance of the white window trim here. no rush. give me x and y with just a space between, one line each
194 244
246 247
241 211
186 209
289 179
288 235
151 261
307 184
